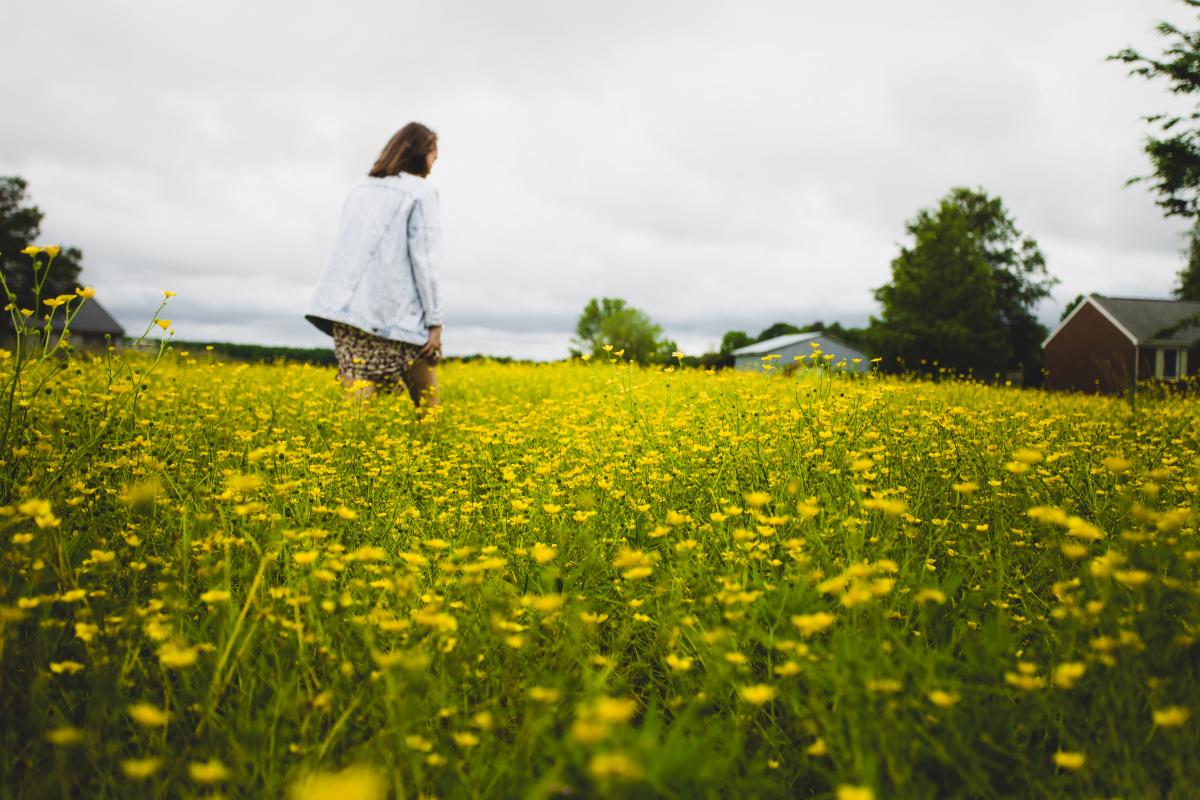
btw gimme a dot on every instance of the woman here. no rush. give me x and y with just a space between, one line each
378 297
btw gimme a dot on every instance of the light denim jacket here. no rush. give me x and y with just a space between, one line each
382 277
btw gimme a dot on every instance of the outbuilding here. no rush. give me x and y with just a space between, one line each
91 326
792 348
1108 344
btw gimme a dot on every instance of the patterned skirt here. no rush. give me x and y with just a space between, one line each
364 356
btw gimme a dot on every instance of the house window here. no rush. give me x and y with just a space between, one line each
1170 363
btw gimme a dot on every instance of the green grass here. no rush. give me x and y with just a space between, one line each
447 658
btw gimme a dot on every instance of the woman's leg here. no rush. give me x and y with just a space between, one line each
422 384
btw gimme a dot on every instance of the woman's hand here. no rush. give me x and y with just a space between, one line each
432 348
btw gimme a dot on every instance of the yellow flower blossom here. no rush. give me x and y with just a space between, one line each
849 792
812 624
758 694
148 715
211 771
140 768
356 782
1171 717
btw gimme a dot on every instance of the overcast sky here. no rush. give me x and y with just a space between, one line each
721 165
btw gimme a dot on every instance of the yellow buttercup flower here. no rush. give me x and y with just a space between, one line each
1171 717
812 624
140 768
211 771
148 715
758 694
359 782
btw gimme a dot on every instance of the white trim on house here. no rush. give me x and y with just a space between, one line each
1098 307
1180 363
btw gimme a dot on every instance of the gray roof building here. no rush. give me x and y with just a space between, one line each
91 321
797 347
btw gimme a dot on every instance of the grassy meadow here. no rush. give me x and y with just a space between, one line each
591 580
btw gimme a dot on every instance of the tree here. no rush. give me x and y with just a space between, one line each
1189 276
1066 312
20 225
732 340
611 321
778 329
1175 153
963 294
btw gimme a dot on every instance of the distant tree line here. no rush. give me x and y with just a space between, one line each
320 356
961 299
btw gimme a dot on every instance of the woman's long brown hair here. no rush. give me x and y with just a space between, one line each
407 151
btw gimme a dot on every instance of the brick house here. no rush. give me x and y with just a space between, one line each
1108 344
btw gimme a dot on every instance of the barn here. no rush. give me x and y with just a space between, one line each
88 328
1108 344
782 351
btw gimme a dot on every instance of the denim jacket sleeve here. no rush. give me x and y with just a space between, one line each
425 251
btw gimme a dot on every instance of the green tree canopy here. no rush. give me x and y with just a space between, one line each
20 226
1189 276
1175 149
778 329
611 321
732 340
963 294
1066 312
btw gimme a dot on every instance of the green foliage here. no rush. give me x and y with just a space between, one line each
1175 152
41 353
581 581
1066 312
732 340
256 353
1189 276
778 329
611 321
963 294
20 226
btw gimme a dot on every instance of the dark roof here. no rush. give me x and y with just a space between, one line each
1159 323
91 319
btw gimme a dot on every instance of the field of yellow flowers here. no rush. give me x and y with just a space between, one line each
581 580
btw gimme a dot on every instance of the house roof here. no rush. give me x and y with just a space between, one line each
1146 321
1164 323
787 340
776 343
92 318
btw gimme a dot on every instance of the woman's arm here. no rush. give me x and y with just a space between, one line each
425 253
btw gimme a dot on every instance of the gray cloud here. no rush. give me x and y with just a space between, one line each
720 166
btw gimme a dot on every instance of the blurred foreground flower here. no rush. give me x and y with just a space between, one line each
358 782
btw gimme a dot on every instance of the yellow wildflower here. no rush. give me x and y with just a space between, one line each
848 792
758 694
211 771
140 768
357 782
812 624
1171 717
148 715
